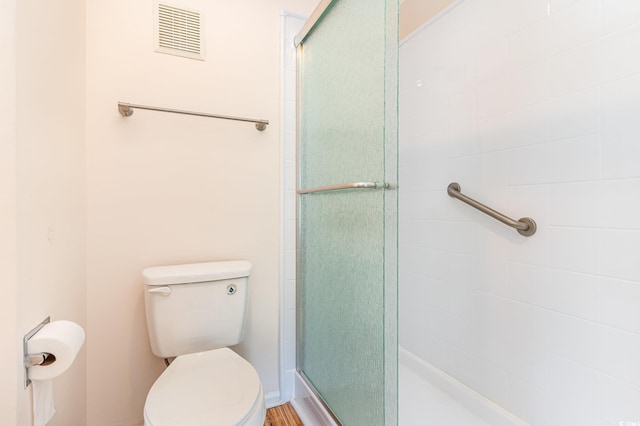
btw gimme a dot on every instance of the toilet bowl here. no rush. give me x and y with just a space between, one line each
213 388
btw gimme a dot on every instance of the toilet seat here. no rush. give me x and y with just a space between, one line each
216 387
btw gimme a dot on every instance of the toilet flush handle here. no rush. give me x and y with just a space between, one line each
164 291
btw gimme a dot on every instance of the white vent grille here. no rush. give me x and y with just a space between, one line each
178 31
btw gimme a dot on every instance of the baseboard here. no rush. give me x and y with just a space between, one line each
481 406
272 399
309 408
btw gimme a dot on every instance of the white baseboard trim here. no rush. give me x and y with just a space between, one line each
309 408
272 399
483 407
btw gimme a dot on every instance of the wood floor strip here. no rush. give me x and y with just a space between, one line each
282 415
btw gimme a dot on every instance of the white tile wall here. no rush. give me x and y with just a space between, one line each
533 106
620 127
291 25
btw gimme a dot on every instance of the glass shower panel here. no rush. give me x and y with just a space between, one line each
347 328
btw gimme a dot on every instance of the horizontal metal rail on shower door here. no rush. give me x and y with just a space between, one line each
126 110
525 226
353 185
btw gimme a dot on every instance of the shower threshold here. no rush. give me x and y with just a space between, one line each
429 396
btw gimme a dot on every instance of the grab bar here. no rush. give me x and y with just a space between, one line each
353 185
126 110
525 226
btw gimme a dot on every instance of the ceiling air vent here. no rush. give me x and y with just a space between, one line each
178 31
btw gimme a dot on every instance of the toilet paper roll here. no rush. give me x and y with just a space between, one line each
63 339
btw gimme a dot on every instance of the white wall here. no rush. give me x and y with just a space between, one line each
10 367
532 106
414 13
50 184
167 189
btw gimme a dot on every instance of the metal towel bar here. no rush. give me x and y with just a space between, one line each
525 226
353 185
126 110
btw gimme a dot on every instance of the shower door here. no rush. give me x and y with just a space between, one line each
347 265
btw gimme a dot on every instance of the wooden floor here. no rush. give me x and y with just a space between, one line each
282 415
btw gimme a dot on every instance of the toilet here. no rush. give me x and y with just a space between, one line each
194 312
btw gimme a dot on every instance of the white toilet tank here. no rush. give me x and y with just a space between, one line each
195 307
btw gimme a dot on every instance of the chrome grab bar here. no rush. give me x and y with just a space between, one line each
525 226
126 110
353 185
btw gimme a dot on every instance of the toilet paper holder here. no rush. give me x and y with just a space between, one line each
30 360
42 358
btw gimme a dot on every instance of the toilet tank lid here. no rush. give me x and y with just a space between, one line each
196 272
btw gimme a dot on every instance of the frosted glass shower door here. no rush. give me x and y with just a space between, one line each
347 313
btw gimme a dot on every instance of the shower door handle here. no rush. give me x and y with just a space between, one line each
352 185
